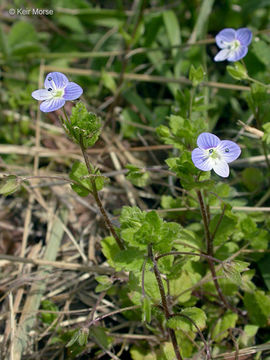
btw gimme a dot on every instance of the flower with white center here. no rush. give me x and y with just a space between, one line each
233 44
213 153
58 89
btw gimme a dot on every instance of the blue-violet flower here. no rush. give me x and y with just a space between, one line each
213 153
58 89
233 44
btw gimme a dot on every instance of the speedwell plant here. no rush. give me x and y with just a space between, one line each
187 279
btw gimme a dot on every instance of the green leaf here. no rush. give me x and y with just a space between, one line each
265 269
133 98
248 225
110 249
83 125
100 336
259 240
262 51
138 177
4 46
237 71
196 76
108 81
166 352
225 229
253 178
129 260
103 279
163 132
8 185
182 285
146 310
232 270
172 27
168 202
149 230
227 321
105 282
266 136
129 116
131 217
26 48
152 25
188 237
71 22
226 250
169 232
183 323
247 336
73 339
83 336
79 173
204 12
22 32
46 317
151 287
141 354
258 307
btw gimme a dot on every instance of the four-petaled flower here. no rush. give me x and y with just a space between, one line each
233 44
57 91
213 153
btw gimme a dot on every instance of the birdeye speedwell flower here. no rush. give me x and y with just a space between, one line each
233 44
58 89
213 153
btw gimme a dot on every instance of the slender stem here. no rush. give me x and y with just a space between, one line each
210 252
207 207
189 253
143 273
96 196
164 303
206 346
219 222
257 82
66 116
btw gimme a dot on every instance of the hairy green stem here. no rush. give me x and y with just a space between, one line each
165 305
210 251
257 82
95 192
96 196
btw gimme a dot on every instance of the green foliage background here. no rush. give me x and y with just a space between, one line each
147 70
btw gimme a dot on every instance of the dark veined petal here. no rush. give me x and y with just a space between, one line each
207 140
224 37
229 150
72 91
41 94
244 35
221 168
51 105
200 160
238 53
55 80
222 55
